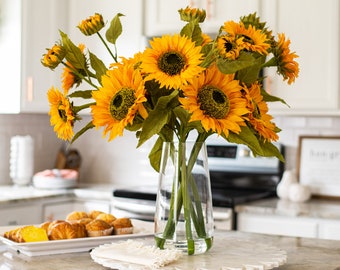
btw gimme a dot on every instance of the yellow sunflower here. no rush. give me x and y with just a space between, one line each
206 39
53 57
287 66
229 46
69 78
258 117
62 116
254 40
92 24
216 101
172 61
118 101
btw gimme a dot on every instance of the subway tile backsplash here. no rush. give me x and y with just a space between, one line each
119 162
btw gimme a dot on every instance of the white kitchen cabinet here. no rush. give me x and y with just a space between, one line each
277 225
162 17
313 27
329 229
41 20
20 214
289 226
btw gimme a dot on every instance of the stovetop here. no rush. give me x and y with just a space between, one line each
221 197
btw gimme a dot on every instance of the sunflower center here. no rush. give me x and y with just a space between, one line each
247 39
121 102
256 112
171 63
62 113
214 102
228 46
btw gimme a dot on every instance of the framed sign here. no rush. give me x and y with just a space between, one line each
319 164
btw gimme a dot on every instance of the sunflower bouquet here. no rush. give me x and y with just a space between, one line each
182 83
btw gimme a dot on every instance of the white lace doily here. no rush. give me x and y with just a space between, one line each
229 253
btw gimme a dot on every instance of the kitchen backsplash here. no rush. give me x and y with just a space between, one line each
119 162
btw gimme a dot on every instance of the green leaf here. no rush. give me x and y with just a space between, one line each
258 147
193 31
157 118
155 154
270 150
232 66
247 137
269 98
99 66
82 131
73 53
115 29
250 74
86 94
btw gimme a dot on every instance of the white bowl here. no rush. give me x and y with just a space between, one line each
56 179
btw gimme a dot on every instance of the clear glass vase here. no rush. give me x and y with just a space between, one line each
184 211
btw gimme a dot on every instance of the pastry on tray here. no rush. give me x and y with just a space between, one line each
61 230
98 227
77 224
76 215
122 226
27 233
109 218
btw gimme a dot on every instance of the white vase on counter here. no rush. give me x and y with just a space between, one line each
282 189
21 160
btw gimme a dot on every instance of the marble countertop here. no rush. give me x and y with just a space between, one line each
302 254
314 208
11 193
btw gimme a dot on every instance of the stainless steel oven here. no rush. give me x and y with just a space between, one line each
236 177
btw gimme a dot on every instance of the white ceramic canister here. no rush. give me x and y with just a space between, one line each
21 159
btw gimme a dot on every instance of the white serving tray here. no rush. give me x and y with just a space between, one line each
141 229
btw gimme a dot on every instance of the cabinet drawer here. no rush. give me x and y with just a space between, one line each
298 227
329 230
20 215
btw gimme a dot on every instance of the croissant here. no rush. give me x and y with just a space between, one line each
61 230
79 229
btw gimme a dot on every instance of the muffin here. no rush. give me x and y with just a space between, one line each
76 215
122 226
98 227
94 213
84 220
109 218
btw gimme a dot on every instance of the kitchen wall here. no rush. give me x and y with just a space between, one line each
119 162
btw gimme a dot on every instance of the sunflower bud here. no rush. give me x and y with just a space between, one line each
91 25
189 14
53 57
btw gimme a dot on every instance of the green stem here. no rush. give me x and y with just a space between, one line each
186 197
75 71
107 47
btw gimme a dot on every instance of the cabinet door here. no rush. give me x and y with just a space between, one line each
277 225
20 215
161 16
313 27
41 21
329 229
